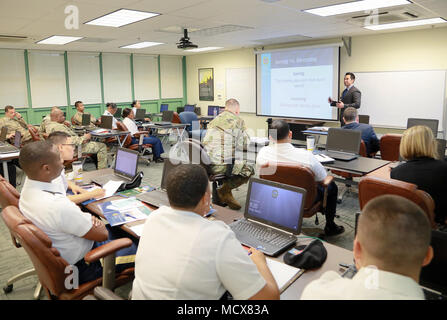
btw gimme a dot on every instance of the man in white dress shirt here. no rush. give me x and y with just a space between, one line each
110 111
182 255
72 232
282 150
391 246
157 146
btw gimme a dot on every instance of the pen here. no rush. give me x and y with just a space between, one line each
129 215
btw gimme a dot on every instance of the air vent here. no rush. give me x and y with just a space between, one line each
95 40
7 38
205 32
386 17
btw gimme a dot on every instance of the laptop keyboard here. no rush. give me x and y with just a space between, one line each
262 234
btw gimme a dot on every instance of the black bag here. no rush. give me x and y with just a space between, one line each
311 256
136 182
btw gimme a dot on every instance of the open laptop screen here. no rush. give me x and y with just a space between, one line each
17 139
211 110
344 140
126 162
189 108
140 114
86 119
167 167
431 123
163 107
275 204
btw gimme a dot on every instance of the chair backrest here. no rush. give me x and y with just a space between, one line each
294 175
363 118
389 146
34 133
176 118
48 263
9 196
371 187
122 127
188 117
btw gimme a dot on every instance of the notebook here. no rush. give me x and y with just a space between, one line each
272 218
343 144
159 197
125 168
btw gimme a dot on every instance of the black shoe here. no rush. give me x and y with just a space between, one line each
159 160
333 230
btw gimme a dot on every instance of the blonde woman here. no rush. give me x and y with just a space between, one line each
418 147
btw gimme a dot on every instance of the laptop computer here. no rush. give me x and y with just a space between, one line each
125 168
431 123
5 147
211 110
159 197
166 118
106 122
3 134
343 144
86 118
17 139
164 107
189 108
141 113
363 118
441 143
272 218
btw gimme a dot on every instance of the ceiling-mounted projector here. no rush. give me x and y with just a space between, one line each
184 42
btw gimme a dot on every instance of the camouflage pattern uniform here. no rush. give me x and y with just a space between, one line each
14 125
46 120
226 138
90 147
77 118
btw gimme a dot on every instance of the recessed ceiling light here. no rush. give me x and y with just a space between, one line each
140 45
203 49
58 40
355 6
121 18
405 24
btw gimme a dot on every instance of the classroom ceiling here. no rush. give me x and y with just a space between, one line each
231 24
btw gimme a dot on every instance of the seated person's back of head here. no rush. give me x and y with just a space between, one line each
351 119
391 246
182 255
418 147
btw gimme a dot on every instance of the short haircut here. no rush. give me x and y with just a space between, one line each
33 155
77 103
186 185
395 231
58 137
418 141
282 129
7 108
126 112
351 75
350 114
134 103
231 103
111 105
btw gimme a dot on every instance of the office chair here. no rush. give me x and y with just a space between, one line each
389 146
371 187
34 133
349 177
189 118
140 147
299 176
101 293
50 266
196 153
9 196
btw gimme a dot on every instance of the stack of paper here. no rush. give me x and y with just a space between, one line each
319 128
322 158
284 274
123 211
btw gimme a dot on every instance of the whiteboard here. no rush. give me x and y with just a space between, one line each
390 98
84 78
241 85
117 78
145 73
47 79
13 90
171 70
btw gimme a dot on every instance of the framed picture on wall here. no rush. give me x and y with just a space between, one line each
206 84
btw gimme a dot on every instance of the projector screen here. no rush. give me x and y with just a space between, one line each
296 82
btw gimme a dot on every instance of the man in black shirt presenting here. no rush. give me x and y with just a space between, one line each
350 97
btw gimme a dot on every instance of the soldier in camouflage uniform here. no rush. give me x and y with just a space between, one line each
56 124
225 139
15 122
77 118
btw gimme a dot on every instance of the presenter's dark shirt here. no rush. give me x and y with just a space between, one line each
429 175
368 136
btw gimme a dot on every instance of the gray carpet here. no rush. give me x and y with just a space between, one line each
14 261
